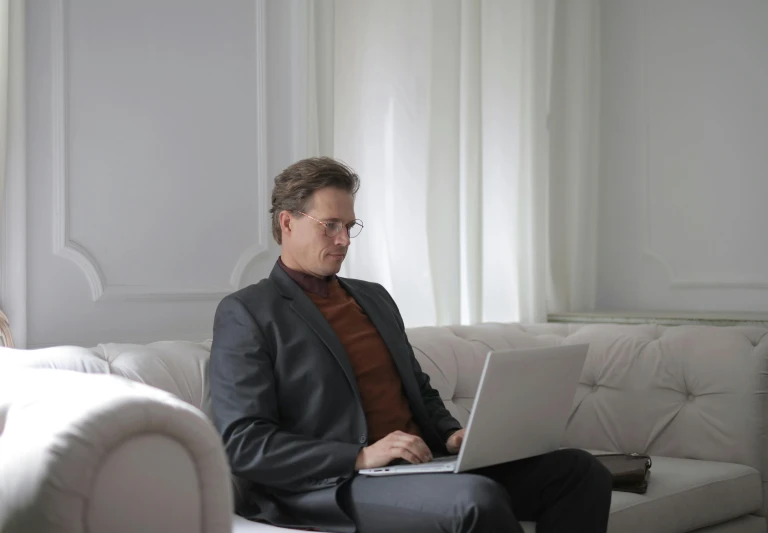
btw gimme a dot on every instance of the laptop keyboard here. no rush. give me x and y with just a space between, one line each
443 459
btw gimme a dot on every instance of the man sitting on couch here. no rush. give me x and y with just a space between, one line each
312 379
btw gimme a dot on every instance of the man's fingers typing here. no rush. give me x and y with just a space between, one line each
410 457
417 447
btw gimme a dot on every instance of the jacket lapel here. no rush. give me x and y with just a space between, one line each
385 323
387 326
308 311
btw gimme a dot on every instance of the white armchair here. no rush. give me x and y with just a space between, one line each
103 454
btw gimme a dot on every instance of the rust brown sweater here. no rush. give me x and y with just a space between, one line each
381 390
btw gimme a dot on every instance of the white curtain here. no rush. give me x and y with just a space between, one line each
574 155
442 108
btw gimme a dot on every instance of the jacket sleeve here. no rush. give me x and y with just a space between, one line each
247 415
442 419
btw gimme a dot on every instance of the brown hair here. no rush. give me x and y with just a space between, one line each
295 186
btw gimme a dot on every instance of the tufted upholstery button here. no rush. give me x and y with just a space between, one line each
690 397
595 387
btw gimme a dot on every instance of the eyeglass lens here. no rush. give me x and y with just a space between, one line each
333 229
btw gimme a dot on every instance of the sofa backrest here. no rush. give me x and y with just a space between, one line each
178 367
695 392
686 391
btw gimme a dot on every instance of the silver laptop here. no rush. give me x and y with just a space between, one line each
521 408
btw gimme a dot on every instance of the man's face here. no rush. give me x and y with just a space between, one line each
307 244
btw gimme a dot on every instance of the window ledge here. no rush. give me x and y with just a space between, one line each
664 318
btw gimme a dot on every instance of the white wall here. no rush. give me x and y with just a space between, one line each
683 212
143 160
152 139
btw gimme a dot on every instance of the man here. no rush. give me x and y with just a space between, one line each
313 379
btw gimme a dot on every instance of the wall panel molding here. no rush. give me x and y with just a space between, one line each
13 196
66 247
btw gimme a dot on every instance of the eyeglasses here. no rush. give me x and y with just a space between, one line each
333 228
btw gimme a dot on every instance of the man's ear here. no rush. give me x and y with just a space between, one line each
285 221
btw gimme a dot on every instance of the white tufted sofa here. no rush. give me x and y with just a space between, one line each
101 454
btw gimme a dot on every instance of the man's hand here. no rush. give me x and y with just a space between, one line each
454 441
396 445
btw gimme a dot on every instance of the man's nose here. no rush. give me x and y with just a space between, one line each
342 237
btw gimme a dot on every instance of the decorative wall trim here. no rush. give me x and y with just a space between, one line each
64 246
675 279
13 198
663 318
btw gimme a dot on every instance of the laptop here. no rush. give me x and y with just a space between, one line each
523 403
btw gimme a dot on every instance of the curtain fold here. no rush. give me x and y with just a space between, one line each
442 107
574 156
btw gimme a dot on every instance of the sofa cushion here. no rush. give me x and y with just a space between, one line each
686 494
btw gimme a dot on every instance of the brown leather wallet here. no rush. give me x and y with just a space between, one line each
630 471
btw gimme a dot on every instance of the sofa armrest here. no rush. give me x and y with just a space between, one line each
98 453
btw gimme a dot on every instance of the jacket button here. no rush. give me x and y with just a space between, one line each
362 439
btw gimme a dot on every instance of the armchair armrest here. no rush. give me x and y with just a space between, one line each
99 453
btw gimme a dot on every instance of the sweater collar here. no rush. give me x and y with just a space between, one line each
308 282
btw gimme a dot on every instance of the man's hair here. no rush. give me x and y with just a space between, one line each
295 186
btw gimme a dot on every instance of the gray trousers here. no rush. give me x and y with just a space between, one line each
562 491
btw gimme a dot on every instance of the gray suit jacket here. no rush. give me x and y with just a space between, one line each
286 402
